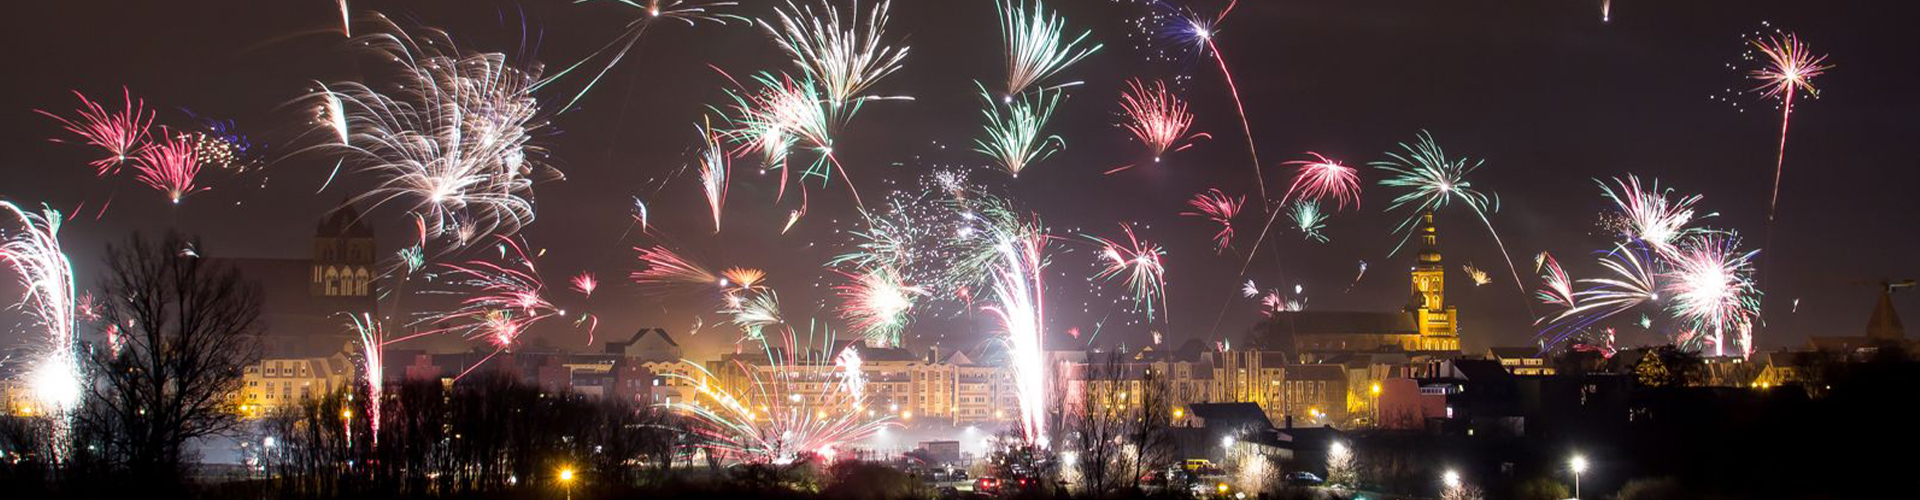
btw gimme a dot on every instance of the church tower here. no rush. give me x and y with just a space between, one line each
343 260
1437 321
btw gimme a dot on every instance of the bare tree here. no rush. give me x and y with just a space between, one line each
187 328
1094 430
1149 433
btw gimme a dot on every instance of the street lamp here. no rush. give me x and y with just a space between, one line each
566 481
1579 465
1451 479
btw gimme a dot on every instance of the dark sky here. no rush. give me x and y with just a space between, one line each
1545 93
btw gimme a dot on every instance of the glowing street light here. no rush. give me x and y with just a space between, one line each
1451 479
1579 465
566 481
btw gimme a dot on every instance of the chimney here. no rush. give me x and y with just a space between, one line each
933 355
1289 422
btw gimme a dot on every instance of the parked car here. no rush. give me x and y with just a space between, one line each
1302 478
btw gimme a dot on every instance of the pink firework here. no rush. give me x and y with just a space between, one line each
713 174
1220 208
169 166
1141 262
585 283
1558 288
1157 117
666 268
1790 68
1710 286
120 133
1322 178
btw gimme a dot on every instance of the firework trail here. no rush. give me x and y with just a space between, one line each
120 134
1037 47
1558 288
1322 178
453 137
170 166
1631 281
664 268
346 23
373 365
1220 208
713 174
1157 118
1141 263
1433 181
691 12
640 213
1019 292
55 378
1309 219
878 304
1186 27
1711 288
774 415
1606 11
1790 69
1013 130
843 57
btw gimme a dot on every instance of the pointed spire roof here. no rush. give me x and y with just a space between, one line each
1885 322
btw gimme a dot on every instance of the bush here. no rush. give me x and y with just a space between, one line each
1664 488
856 480
1540 488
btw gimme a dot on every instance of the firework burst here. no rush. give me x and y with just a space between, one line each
1219 208
845 55
1309 219
1141 263
1789 69
120 134
454 138
1711 288
1037 46
1648 215
1433 181
169 166
1322 178
1156 117
1013 130
878 304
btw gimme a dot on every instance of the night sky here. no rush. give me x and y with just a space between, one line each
1545 93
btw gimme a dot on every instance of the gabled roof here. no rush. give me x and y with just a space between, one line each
1514 352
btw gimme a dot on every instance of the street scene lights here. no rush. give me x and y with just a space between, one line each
1579 465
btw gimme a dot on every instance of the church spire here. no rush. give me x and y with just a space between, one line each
1885 322
1429 242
